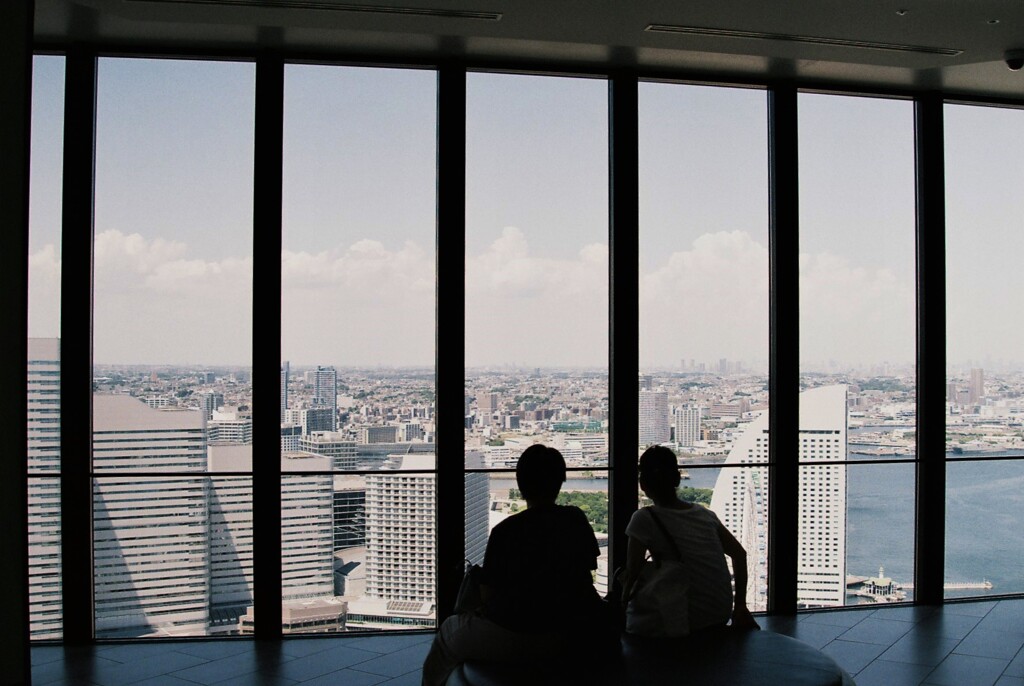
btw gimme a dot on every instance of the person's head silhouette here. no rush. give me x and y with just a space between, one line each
540 473
659 472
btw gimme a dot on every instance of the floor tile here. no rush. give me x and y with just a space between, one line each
816 635
1016 667
846 619
906 613
397 663
946 625
884 673
346 677
43 654
324 662
214 671
971 609
145 667
302 647
129 652
853 657
259 679
1010 681
69 668
881 631
985 643
410 679
164 680
967 670
920 649
388 644
215 650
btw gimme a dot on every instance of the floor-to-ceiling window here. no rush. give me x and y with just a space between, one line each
172 347
358 309
857 350
985 368
536 292
703 387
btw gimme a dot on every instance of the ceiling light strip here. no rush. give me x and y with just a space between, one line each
814 40
336 7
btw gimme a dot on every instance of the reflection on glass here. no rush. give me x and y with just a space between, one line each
43 420
536 267
985 370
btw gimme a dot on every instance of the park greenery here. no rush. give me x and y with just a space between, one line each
595 503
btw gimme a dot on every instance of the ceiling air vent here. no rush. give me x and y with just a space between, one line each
813 40
336 7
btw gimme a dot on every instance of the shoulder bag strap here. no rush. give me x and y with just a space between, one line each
665 533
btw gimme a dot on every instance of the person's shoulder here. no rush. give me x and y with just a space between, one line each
569 513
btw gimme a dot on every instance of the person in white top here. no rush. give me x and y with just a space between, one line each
697 537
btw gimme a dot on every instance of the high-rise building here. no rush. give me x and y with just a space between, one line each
315 419
325 393
228 425
151 533
44 549
977 387
654 427
400 527
378 434
285 369
349 511
209 402
340 451
741 498
687 425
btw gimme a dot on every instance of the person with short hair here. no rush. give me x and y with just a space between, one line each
698 536
539 600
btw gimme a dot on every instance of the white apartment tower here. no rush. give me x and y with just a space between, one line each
285 370
654 427
400 527
687 426
741 500
44 550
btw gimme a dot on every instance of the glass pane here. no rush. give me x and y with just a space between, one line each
879 531
703 265
43 417
984 149
358 290
536 265
173 264
984 509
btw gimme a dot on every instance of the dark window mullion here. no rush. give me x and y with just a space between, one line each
783 356
266 355
76 346
450 336
15 125
623 308
930 510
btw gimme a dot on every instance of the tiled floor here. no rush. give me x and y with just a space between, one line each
963 644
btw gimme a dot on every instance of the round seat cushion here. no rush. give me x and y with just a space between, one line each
761 658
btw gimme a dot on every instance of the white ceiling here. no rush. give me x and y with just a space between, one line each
956 46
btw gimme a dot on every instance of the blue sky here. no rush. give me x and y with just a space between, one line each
174 211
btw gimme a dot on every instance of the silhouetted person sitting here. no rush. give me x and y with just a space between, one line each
697 537
538 595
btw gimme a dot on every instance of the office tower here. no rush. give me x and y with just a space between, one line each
478 500
325 393
340 451
977 387
378 434
44 549
487 405
290 436
151 538
349 511
410 431
400 528
687 425
645 382
228 425
951 393
654 426
307 523
315 419
157 402
209 402
741 498
285 369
